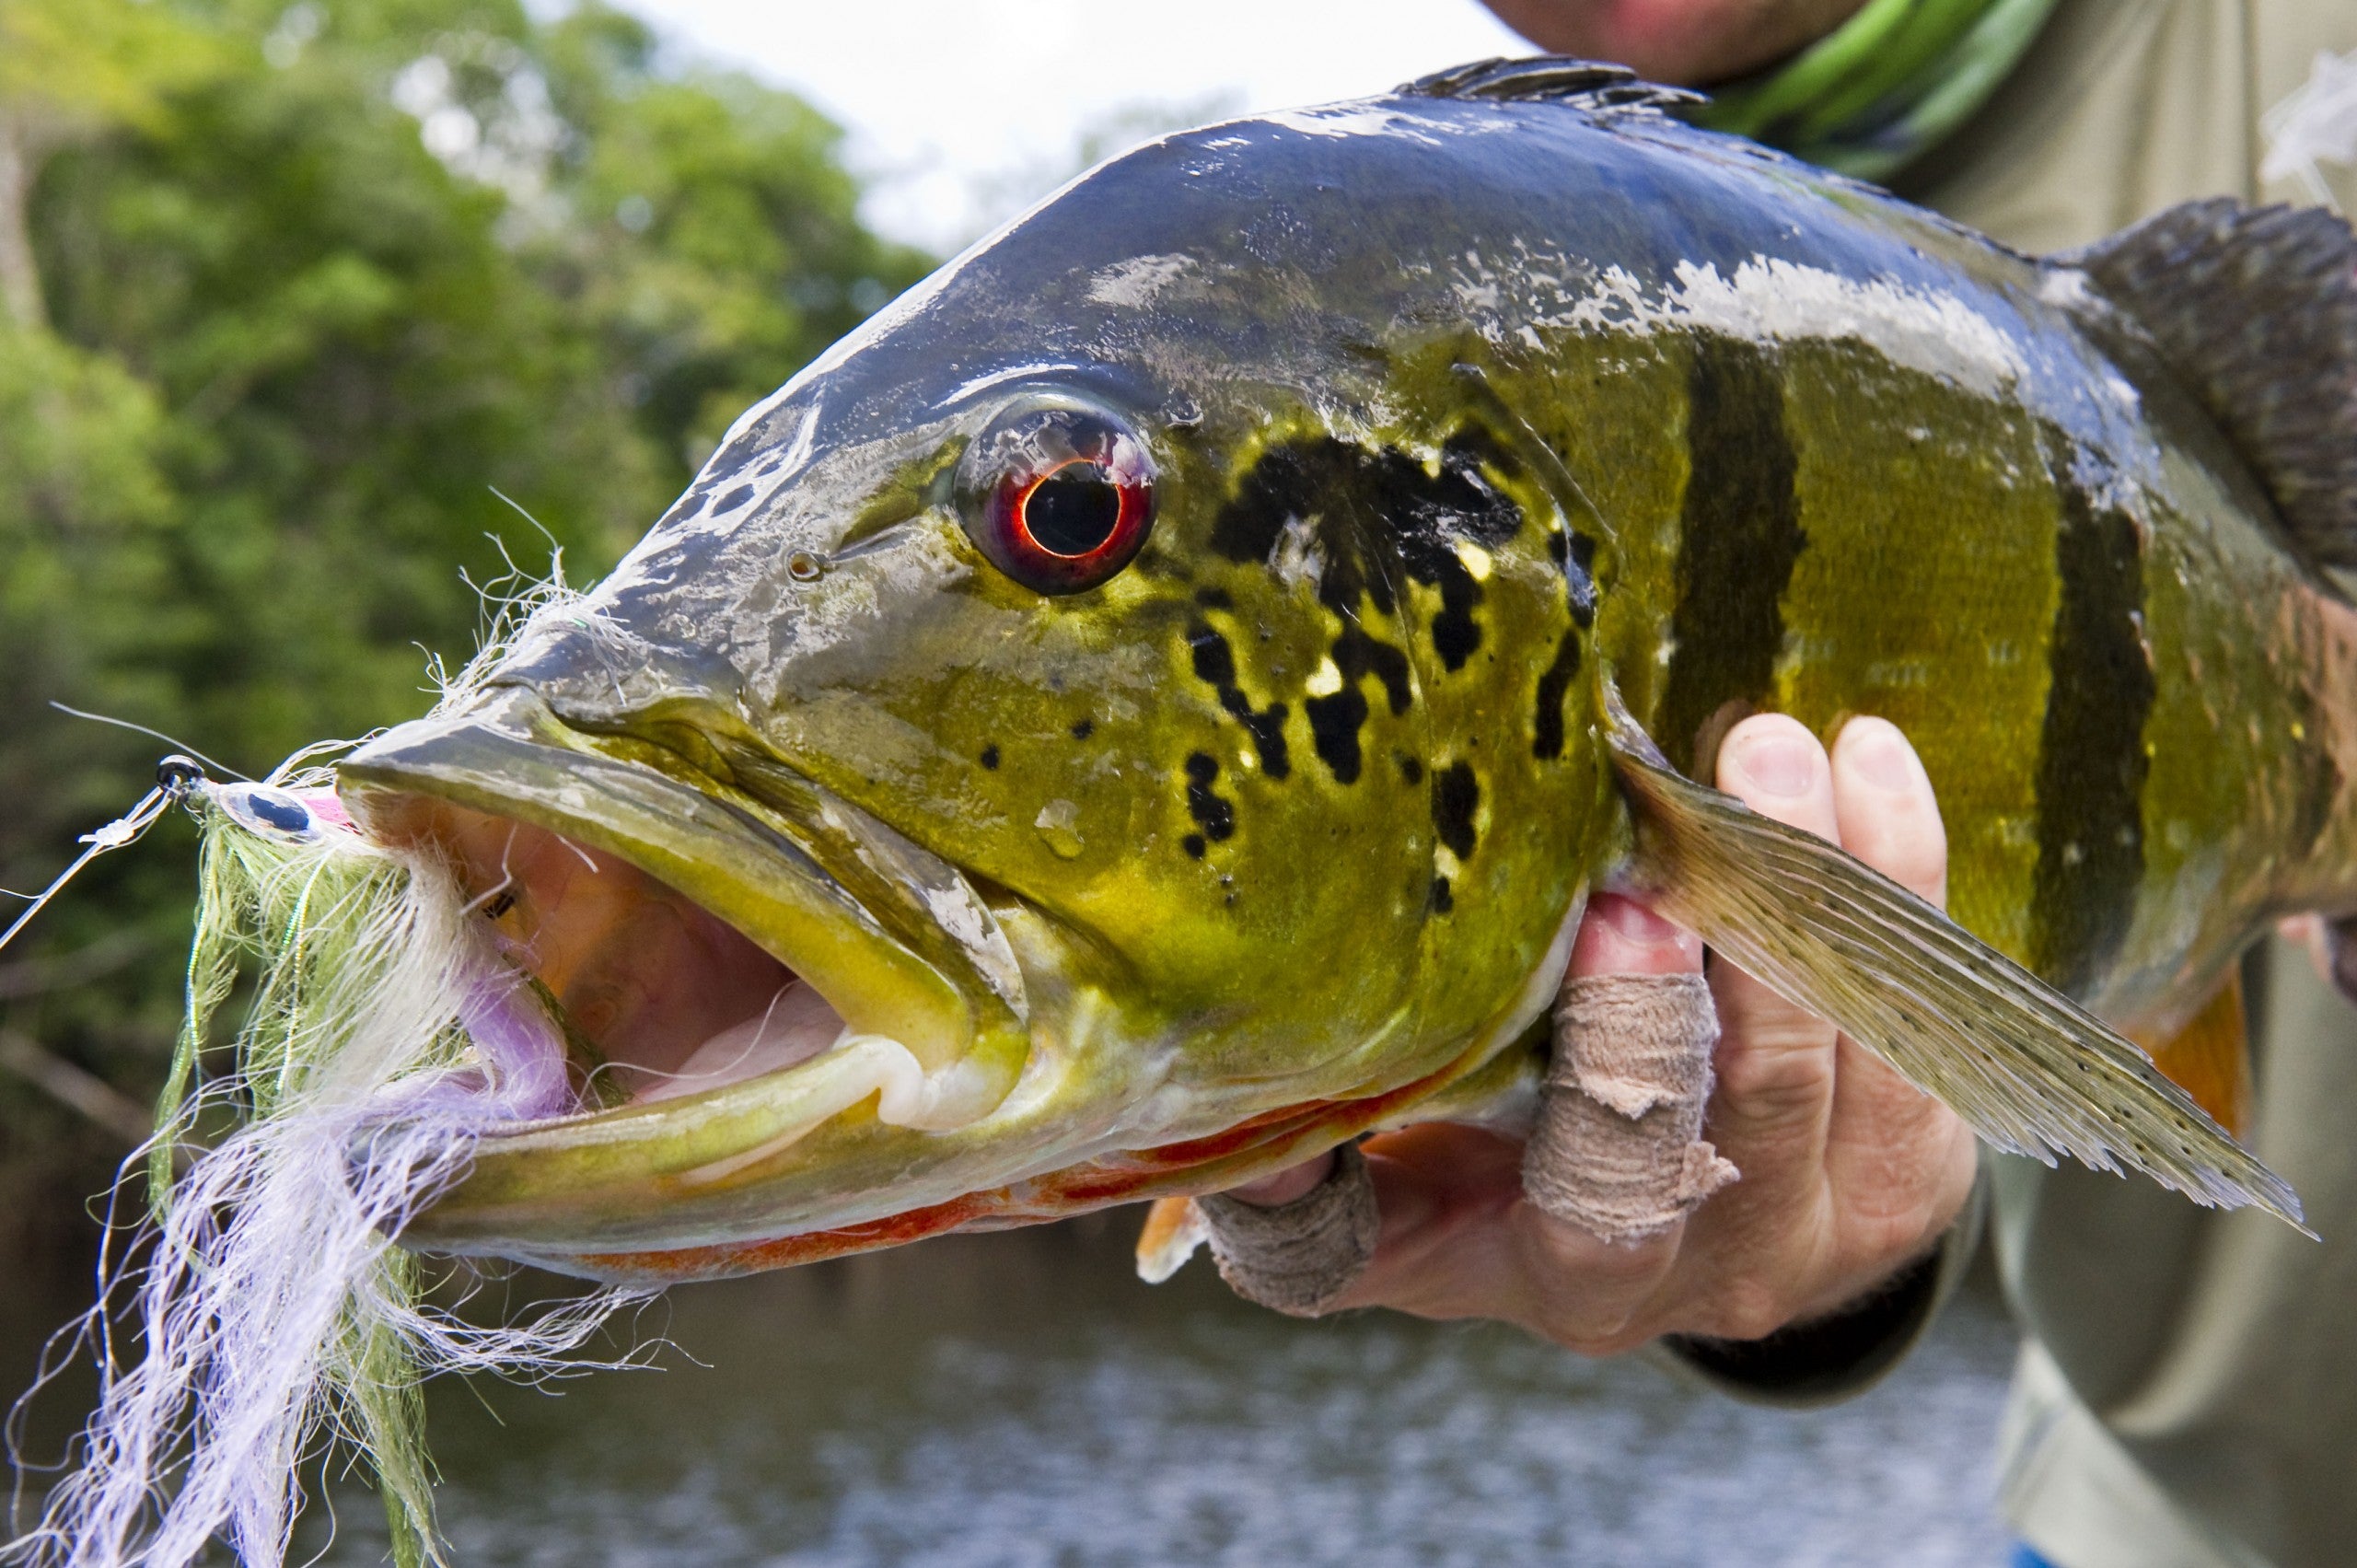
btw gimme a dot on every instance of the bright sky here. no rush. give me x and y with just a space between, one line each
963 111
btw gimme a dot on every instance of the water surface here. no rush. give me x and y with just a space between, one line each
1021 1401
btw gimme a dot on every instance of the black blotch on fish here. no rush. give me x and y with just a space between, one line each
1355 653
990 756
1216 666
1215 660
734 499
1456 795
2091 763
1547 730
1082 728
1193 844
1278 488
1739 537
1443 900
1336 719
1410 769
1334 730
1216 816
1358 499
1456 634
1375 514
1214 599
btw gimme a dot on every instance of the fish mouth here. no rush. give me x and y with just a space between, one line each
779 1013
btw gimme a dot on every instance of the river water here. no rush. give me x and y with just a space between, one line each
1021 1401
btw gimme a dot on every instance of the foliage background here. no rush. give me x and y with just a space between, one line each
294 300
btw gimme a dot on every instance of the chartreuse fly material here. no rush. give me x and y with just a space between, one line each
276 1314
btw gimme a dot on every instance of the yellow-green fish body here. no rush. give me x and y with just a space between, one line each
1453 418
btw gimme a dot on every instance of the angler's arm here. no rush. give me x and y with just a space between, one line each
1851 1177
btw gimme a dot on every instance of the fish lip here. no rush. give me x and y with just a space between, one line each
719 1163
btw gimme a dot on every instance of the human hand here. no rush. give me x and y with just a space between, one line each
1849 1173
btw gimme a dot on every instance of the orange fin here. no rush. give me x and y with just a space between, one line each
2210 1058
1174 1228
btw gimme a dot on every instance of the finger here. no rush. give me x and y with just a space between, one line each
1775 1061
1899 1160
1620 935
2308 933
1457 1238
1887 814
1285 1186
1774 765
1443 1191
1460 1242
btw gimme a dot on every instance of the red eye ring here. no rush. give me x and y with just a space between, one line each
1058 496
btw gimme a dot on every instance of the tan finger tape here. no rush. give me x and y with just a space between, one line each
1297 1257
1619 1149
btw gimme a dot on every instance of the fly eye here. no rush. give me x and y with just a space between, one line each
1058 497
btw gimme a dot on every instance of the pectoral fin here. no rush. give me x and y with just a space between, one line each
2028 1069
1174 1228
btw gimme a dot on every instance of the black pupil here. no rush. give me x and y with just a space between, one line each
1074 510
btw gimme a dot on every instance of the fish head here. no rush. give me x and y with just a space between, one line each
1065 746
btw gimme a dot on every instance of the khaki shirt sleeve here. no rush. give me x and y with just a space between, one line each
1831 1359
2125 107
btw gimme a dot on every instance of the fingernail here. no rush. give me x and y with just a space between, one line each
1876 751
1778 763
1633 920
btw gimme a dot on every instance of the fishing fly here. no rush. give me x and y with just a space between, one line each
275 1311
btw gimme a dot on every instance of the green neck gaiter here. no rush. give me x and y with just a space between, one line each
1885 86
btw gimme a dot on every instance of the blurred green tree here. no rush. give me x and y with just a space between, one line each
294 296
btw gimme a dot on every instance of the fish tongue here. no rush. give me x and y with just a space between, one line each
797 1026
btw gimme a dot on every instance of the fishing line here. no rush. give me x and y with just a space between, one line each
175 776
217 765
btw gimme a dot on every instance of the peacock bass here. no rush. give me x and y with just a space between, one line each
1152 703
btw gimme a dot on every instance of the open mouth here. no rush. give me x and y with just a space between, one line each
759 987
657 997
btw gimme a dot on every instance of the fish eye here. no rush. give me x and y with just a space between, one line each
1058 495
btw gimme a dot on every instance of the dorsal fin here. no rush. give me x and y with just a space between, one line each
2256 309
1593 85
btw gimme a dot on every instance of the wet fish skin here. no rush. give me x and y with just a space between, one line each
1465 412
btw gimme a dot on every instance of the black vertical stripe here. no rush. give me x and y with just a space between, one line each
2091 762
1740 535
